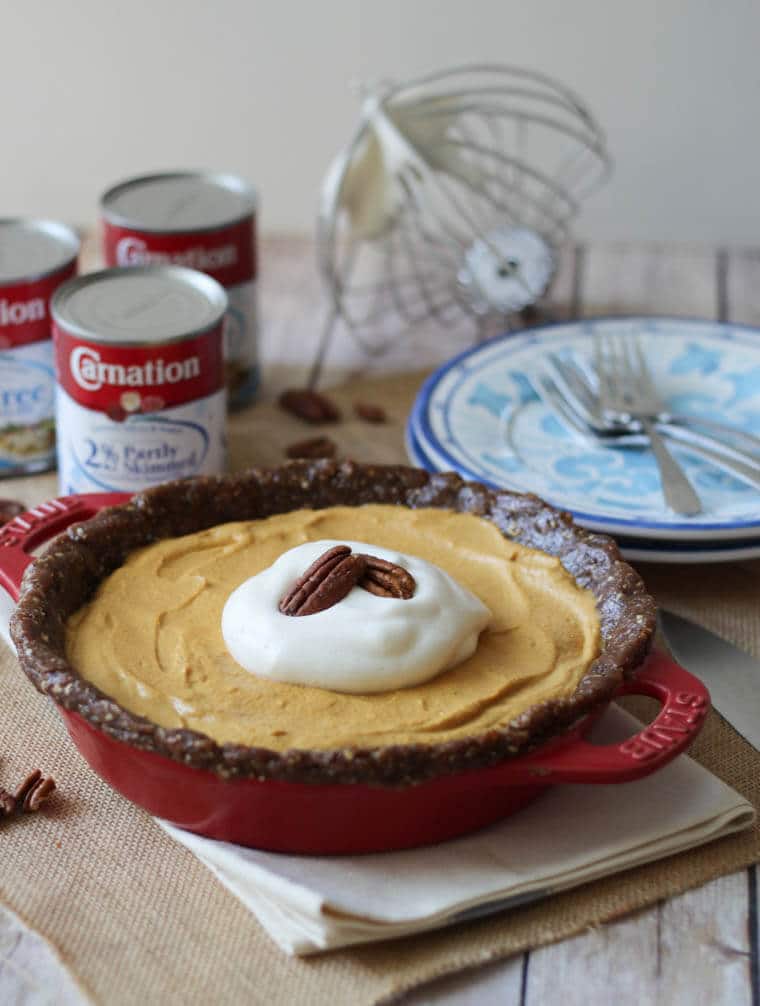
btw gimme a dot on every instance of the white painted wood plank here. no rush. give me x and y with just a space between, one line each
650 279
292 312
498 984
743 286
689 951
562 300
616 963
704 951
90 258
753 878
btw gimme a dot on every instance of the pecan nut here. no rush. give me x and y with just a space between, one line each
370 413
326 582
309 405
387 579
33 791
38 795
7 803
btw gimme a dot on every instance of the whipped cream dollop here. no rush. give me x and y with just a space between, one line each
363 644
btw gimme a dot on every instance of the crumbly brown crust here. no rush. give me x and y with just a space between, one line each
68 573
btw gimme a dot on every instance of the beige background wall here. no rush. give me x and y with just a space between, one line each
94 90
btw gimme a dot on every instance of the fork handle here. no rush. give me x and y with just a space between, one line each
678 491
734 462
721 430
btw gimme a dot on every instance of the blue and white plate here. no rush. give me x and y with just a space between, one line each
480 415
638 550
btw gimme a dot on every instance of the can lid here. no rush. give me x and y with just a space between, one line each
31 249
179 201
153 304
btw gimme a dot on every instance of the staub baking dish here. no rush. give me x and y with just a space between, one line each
337 801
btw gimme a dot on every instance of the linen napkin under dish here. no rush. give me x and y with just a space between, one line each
569 836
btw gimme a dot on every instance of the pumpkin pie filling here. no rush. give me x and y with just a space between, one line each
151 636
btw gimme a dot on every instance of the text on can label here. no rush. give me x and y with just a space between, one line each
21 312
134 251
91 373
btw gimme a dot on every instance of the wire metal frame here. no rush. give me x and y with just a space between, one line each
483 148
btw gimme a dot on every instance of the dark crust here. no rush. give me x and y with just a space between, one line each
66 576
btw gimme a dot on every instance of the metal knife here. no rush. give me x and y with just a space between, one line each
731 675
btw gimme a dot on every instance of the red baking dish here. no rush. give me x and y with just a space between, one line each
349 817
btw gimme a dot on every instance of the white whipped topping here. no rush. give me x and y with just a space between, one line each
362 644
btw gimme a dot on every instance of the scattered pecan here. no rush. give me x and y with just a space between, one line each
317 447
39 795
7 802
370 413
33 791
387 579
10 509
326 582
532 313
311 406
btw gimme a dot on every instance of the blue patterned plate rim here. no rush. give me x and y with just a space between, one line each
728 333
701 539
417 453
636 549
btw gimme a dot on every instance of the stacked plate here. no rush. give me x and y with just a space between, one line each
480 415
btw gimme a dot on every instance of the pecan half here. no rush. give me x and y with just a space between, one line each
7 803
326 582
309 405
387 579
370 413
33 791
317 447
38 795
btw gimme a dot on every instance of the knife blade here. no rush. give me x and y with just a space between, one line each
731 675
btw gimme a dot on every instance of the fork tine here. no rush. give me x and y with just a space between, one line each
617 367
570 386
631 364
645 373
603 371
618 373
611 363
561 407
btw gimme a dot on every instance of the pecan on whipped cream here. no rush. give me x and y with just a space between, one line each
379 620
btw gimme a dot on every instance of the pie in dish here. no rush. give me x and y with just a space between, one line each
120 621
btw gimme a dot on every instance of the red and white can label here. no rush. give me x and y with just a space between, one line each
25 309
228 255
27 376
130 417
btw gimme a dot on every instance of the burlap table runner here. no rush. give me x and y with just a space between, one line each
137 919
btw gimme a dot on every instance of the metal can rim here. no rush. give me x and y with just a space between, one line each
214 289
222 179
54 228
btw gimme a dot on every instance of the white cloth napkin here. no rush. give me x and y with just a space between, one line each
569 836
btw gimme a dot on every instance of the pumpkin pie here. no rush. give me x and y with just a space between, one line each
120 620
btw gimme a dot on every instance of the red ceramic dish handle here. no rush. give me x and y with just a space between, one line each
19 537
685 704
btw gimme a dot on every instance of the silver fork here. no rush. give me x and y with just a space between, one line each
578 387
580 413
627 392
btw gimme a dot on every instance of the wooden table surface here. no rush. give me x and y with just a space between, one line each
701 947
